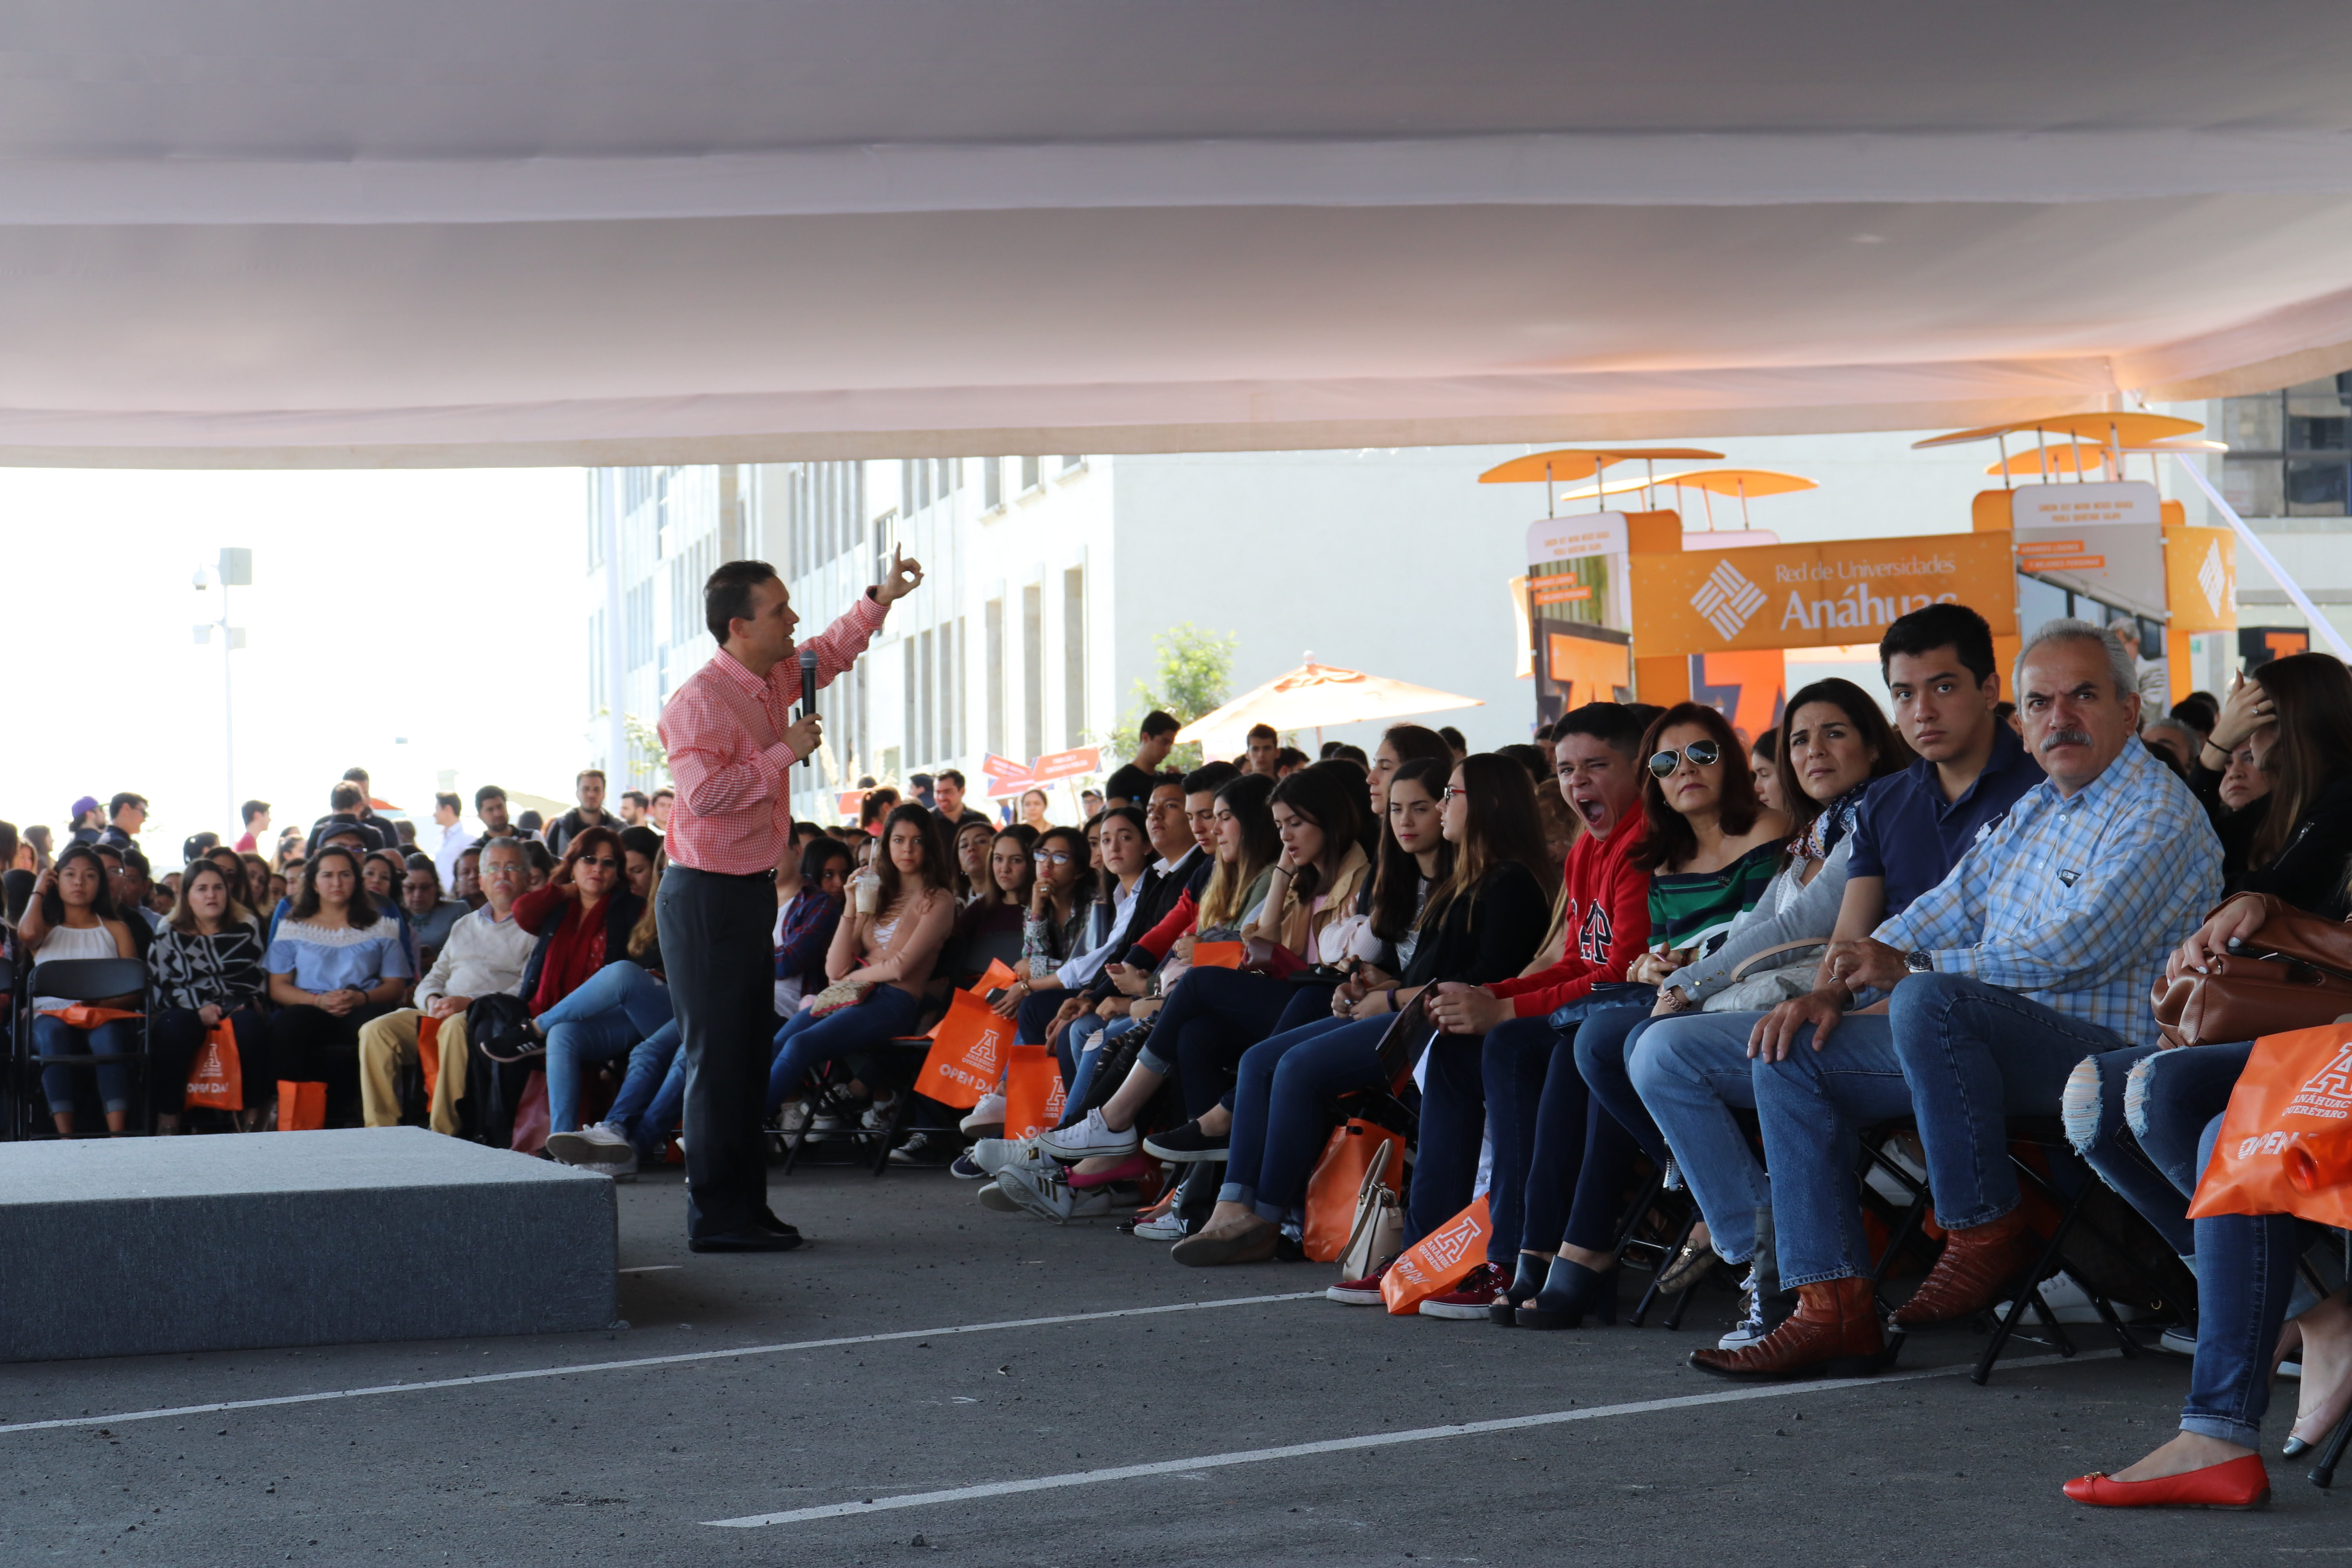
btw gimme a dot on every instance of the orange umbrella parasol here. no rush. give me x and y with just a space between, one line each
1310 697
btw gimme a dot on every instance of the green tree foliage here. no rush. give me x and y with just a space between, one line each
1194 677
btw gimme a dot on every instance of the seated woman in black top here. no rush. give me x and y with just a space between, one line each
1482 922
2291 839
205 969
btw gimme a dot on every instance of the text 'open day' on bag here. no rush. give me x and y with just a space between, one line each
1438 1261
2285 1143
216 1075
968 1046
1032 1092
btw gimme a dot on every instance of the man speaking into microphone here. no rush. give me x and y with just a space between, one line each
732 740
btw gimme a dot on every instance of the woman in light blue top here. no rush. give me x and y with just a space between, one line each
336 962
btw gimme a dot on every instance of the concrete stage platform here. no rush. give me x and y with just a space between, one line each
134 1246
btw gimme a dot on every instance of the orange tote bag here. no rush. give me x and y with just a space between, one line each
2285 1145
1338 1179
216 1075
1032 1092
967 1054
1218 954
1438 1261
301 1107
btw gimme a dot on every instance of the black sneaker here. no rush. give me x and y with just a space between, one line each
1186 1145
926 1150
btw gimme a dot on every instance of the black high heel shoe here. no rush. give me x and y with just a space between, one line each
1570 1291
1527 1283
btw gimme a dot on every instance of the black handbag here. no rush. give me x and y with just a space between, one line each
1604 995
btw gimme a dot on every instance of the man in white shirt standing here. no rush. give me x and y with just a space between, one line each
448 816
486 952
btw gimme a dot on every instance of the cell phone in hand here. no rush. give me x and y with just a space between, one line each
999 995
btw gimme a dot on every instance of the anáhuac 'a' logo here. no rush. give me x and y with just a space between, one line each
1446 1248
2213 577
1727 601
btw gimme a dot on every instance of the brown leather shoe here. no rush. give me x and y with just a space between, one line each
1834 1333
1978 1265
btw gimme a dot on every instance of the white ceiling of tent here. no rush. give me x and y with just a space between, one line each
271 232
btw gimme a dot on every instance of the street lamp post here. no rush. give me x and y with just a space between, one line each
234 569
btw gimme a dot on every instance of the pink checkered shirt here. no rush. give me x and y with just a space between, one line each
724 731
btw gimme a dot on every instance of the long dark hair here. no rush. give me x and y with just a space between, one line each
965 887
182 917
360 912
53 903
1245 798
1318 796
990 894
1396 885
885 870
2312 695
1416 743
1108 889
1669 840
1503 828
1074 839
1890 753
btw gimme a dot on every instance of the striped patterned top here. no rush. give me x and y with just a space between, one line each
1695 909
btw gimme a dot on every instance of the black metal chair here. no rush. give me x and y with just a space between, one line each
81 980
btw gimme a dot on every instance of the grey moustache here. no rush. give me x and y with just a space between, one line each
2065 738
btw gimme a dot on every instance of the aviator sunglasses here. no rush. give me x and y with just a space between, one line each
1700 752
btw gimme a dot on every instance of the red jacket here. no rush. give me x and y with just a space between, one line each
1607 922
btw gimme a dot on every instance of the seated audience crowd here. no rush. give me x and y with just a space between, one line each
1646 994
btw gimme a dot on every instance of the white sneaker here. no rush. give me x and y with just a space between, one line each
1168 1226
1088 1140
794 1117
1750 1328
623 1169
1049 1197
994 1154
989 1112
598 1145
877 1115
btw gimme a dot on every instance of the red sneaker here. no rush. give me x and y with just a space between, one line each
1469 1300
1364 1292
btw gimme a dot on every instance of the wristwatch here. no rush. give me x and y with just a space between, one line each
1919 962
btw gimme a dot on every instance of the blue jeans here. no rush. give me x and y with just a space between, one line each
1087 1037
1692 1072
1958 1054
1215 1015
1452 1130
610 1011
55 1037
2245 1276
1279 1096
652 1091
1571 1156
806 1039
2136 1115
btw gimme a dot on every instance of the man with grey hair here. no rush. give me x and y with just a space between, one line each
2150 678
2038 950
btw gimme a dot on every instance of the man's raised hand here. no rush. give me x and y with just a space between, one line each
905 575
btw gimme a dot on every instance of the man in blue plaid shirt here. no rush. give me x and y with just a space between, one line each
2038 950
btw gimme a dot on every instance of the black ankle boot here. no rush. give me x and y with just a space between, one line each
1773 1304
1527 1283
1570 1291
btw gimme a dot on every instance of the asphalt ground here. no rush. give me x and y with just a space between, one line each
527 1462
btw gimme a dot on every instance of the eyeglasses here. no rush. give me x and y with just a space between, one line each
1702 753
1451 791
1051 856
606 861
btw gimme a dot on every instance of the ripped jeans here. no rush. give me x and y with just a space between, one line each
2135 1117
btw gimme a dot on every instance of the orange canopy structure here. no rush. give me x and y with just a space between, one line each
1311 696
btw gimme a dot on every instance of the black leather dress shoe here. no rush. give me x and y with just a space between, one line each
768 1221
754 1239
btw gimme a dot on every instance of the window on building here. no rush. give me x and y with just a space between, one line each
1033 672
1074 656
638 612
953 469
991 482
596 673
597 495
927 713
907 716
2290 451
991 623
1028 473
1071 460
954 735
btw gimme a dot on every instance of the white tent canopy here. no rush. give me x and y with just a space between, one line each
319 232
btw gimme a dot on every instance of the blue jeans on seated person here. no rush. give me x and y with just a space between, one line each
55 1037
2245 1280
2143 1144
1959 1056
1692 1071
806 1039
1279 1122
1088 1036
610 1011
1452 1131
1215 1015
655 1078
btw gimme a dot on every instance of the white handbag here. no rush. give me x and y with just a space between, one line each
1379 1231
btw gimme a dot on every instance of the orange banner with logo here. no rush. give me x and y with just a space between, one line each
1813 596
2200 580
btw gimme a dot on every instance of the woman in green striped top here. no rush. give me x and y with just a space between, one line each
1711 847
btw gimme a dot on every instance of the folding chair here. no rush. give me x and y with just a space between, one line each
894 1065
89 980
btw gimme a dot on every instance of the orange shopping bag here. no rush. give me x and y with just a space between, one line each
1218 954
1438 1261
2285 1145
1032 1092
428 1053
1338 1178
301 1107
82 1016
216 1077
967 1055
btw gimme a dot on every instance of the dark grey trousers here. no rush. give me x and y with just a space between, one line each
715 949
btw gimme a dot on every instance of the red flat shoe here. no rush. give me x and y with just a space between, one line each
1126 1170
2239 1483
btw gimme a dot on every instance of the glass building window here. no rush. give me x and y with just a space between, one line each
2290 451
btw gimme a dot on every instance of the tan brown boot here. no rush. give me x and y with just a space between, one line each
1835 1333
1978 1265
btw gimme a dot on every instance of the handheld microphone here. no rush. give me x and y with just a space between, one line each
808 693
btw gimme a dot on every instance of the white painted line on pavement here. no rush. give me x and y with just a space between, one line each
641 1361
1370 1440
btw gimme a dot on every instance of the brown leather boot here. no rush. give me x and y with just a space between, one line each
1835 1333
1977 1269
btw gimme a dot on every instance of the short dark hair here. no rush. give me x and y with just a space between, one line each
345 796
816 853
134 859
450 799
639 840
357 775
596 773
540 856
1614 724
636 794
251 809
1210 777
1453 737
1353 754
1955 626
531 822
726 596
485 793
128 797
1156 723
196 846
951 775
422 862
1261 733
665 790
1290 757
